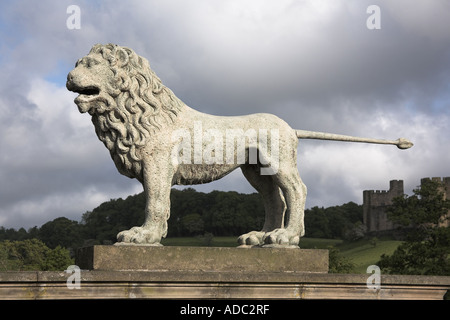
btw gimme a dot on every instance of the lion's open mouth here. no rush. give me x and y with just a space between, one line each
86 96
89 91
84 92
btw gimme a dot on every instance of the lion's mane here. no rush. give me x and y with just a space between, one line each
136 105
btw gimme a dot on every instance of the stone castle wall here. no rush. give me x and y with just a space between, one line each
375 204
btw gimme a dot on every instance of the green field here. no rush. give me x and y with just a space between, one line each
361 253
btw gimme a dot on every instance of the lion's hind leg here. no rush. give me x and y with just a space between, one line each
294 191
274 205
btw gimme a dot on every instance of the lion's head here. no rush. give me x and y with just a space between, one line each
126 99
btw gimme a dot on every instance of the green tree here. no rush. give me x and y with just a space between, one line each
339 263
32 254
337 222
57 259
60 232
317 223
427 247
192 224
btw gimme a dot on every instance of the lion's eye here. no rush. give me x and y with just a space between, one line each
92 62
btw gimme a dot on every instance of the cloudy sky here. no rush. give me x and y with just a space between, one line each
313 63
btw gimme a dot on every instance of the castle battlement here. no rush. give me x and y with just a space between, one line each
445 180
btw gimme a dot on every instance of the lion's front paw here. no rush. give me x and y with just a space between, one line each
281 237
139 235
254 238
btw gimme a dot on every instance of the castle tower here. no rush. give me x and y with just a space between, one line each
375 204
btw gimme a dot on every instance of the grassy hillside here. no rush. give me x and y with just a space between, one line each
362 253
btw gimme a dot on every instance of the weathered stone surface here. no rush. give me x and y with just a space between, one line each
209 259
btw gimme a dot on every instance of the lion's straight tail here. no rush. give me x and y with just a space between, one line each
401 143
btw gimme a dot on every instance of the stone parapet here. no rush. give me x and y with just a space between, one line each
216 285
127 272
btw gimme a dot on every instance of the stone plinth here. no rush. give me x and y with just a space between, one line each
202 259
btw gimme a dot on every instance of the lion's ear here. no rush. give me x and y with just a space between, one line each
122 57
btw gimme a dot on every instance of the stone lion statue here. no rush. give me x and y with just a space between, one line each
156 138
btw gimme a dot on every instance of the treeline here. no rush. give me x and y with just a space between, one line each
192 213
337 222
